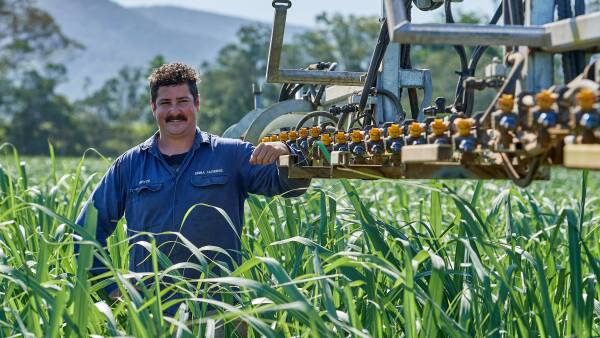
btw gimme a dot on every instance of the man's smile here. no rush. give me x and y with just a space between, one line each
176 119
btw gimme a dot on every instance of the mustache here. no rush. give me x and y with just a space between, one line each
176 117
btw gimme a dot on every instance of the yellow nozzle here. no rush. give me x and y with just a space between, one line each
586 99
545 99
375 134
506 103
265 139
274 138
394 131
463 126
415 129
315 132
326 139
283 136
303 132
439 127
357 136
293 135
340 137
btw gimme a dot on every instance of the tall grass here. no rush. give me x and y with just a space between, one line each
349 259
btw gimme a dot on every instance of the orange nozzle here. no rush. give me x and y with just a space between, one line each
464 126
315 132
415 129
506 103
439 127
283 136
293 135
303 132
357 135
375 134
545 99
586 99
326 139
394 131
340 137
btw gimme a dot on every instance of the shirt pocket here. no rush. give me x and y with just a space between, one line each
145 190
146 205
209 181
209 193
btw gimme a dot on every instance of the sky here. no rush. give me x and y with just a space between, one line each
304 11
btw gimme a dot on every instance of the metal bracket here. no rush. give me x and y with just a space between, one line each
569 34
418 78
276 75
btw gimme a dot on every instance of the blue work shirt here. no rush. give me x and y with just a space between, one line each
155 197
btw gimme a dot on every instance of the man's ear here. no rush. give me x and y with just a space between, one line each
153 107
197 103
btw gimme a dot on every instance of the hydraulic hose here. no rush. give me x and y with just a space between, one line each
515 176
283 92
467 95
316 114
382 42
393 98
460 50
573 62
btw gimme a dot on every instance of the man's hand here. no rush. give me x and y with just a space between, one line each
268 152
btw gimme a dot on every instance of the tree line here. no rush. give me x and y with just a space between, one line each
116 116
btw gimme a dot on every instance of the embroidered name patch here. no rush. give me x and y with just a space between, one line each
209 172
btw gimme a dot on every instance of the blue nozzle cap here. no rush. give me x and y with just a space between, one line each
589 121
304 145
548 120
508 122
396 147
359 150
467 146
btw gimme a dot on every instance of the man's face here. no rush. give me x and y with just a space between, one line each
175 111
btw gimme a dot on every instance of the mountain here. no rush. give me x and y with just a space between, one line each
183 20
116 36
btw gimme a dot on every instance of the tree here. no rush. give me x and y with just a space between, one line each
347 40
226 86
124 98
117 115
28 36
30 111
39 115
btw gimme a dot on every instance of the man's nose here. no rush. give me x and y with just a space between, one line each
171 108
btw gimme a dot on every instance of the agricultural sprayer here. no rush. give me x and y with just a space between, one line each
353 125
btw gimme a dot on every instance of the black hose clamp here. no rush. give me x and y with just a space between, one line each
287 4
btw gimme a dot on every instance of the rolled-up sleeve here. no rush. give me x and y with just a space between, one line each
268 180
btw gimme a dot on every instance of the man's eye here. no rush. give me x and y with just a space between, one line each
164 103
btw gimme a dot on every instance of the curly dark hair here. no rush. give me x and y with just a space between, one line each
173 74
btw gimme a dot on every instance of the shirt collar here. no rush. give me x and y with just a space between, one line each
152 142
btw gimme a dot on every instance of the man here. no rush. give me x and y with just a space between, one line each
176 180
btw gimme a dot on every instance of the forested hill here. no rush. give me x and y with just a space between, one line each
116 36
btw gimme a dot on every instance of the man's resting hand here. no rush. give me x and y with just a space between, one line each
268 152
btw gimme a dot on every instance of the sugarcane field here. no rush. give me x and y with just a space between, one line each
284 168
